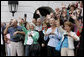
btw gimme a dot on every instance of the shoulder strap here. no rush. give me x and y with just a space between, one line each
64 38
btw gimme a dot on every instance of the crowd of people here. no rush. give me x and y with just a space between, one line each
56 34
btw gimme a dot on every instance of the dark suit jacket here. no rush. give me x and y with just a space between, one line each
2 32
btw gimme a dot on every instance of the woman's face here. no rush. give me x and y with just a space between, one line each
78 11
48 16
34 21
28 26
58 15
57 23
72 8
80 21
31 27
67 28
44 26
52 22
64 13
38 22
51 14
81 3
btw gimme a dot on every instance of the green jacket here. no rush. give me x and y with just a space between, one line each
34 37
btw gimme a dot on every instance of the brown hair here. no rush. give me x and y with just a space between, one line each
69 24
73 6
44 23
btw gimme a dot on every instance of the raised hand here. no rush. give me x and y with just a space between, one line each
73 16
8 25
38 12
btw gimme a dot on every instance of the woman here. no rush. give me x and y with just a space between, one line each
64 16
54 37
44 45
31 38
7 43
79 47
68 38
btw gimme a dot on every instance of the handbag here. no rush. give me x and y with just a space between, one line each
59 45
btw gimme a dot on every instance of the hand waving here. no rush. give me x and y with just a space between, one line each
73 16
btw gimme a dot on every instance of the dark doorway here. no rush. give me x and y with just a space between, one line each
44 11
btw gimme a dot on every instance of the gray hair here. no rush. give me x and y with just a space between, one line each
32 24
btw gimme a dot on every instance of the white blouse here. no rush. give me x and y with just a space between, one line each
71 40
30 40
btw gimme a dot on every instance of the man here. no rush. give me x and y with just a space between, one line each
15 42
7 42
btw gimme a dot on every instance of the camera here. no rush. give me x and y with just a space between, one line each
25 15
66 35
